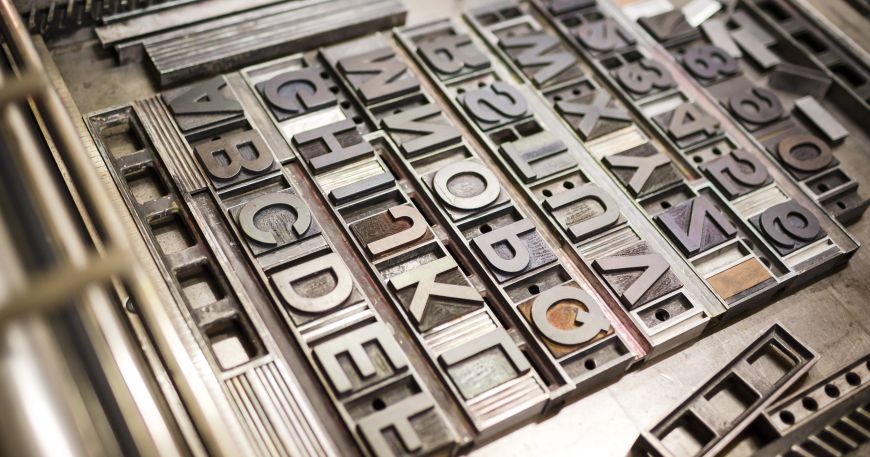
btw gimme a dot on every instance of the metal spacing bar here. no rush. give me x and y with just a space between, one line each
180 23
128 28
725 406
152 435
150 7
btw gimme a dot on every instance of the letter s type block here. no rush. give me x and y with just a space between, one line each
495 105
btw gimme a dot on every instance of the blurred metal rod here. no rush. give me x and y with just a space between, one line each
49 290
111 237
142 411
21 88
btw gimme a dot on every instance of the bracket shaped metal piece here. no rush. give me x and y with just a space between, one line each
725 406
829 417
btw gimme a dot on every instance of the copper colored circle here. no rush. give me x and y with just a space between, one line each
789 144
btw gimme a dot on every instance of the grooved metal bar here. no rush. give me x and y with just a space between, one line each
169 142
54 17
201 11
215 50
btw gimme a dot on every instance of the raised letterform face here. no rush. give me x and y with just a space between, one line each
418 239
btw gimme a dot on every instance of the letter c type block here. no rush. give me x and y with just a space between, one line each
589 323
273 221
274 236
